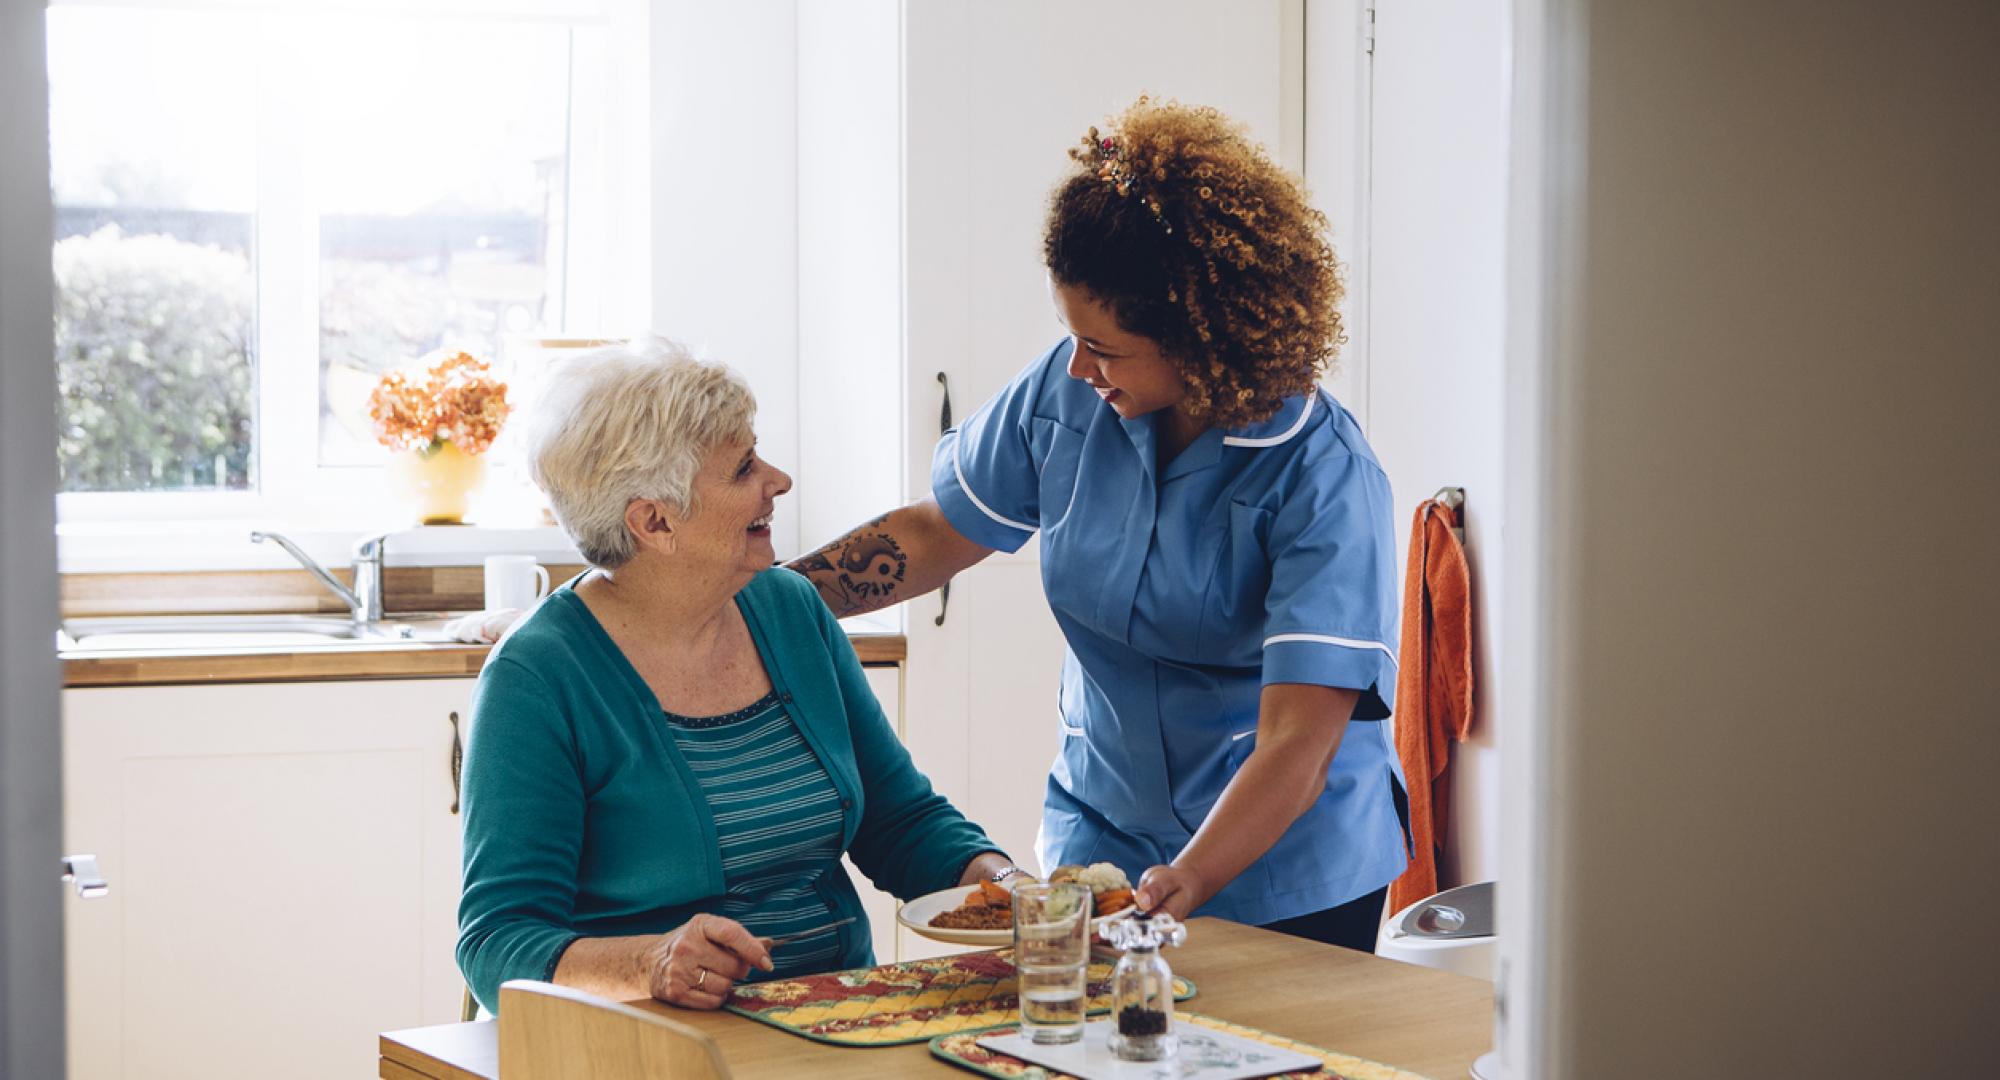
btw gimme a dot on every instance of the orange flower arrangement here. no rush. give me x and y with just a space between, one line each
459 402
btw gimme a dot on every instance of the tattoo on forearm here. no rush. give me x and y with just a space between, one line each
858 572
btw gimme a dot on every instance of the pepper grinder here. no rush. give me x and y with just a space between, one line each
1142 987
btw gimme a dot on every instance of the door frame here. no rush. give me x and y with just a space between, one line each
1337 90
1547 135
31 956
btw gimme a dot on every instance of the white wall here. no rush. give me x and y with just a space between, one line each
1768 728
1407 154
724 107
1437 231
611 289
850 355
1335 96
31 968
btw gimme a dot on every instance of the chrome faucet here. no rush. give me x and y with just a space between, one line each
364 600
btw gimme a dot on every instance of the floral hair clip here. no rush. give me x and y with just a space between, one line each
1114 167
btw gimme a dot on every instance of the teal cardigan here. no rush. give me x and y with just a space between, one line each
582 819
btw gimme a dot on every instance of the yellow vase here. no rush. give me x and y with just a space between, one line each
439 481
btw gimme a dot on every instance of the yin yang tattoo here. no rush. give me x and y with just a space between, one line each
859 571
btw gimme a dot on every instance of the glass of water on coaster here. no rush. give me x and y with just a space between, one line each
1051 950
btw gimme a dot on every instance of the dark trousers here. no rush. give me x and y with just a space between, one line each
1352 925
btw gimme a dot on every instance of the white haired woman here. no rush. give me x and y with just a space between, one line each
671 753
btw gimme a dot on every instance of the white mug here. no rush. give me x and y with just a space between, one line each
514 581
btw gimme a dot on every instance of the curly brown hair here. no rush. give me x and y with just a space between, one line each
1193 237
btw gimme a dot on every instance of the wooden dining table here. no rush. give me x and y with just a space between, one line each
1426 1021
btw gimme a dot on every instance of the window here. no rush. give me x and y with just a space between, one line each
261 209
155 252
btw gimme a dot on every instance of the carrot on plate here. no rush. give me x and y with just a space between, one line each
1114 900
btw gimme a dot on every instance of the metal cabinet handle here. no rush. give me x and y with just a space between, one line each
944 425
457 759
82 870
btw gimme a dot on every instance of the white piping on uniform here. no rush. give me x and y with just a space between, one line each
983 508
1328 639
1297 426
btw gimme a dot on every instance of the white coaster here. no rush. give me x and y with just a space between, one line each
1205 1054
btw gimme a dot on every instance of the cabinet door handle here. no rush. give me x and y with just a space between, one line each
457 759
944 425
82 870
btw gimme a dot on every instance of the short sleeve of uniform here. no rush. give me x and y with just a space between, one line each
1331 613
984 473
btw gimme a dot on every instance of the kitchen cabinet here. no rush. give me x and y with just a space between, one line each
887 683
284 870
283 862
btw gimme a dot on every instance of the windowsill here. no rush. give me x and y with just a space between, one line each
96 547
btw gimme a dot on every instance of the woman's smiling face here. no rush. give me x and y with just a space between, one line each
1128 371
735 492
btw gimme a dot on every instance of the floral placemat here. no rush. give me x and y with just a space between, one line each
963 1049
912 1001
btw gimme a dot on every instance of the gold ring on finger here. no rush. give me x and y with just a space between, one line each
700 977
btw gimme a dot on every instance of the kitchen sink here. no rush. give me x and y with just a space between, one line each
181 633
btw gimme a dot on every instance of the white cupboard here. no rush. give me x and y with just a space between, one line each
283 863
284 870
887 683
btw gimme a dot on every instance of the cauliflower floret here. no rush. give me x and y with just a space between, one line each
1103 877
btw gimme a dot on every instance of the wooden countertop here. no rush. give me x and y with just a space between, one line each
1429 1022
325 663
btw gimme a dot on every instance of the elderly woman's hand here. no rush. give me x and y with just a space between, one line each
990 866
696 965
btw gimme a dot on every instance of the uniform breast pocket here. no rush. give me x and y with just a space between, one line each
1056 486
1232 616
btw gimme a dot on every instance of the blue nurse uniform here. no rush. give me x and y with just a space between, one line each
1258 556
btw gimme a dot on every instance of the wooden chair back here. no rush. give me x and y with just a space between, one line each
550 1032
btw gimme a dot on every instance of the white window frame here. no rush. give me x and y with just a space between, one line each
605 286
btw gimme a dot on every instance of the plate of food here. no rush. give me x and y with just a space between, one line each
983 914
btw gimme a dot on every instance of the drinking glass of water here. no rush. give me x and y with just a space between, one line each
1051 950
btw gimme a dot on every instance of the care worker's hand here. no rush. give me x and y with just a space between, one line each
695 966
1176 890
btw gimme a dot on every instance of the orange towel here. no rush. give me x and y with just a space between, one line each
1433 688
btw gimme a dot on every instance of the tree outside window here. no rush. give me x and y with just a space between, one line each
260 211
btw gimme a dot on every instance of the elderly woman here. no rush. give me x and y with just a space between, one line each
671 753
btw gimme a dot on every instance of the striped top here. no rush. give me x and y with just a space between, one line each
778 820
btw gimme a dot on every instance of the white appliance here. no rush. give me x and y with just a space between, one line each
1452 931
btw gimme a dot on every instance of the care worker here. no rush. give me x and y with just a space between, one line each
1216 539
